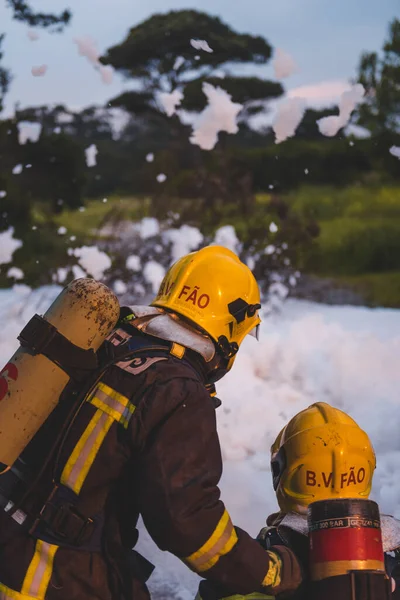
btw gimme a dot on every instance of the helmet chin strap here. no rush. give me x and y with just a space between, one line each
226 348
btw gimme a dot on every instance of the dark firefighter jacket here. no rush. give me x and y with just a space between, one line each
144 443
291 530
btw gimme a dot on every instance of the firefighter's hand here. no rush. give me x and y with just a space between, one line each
284 536
291 575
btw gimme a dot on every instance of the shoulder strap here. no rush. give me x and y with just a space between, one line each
41 337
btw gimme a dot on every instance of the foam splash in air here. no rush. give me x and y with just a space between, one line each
329 126
28 131
32 35
17 170
219 115
183 240
226 236
289 115
179 61
15 273
284 65
90 154
87 47
170 101
395 151
39 71
8 245
94 261
201 45
154 273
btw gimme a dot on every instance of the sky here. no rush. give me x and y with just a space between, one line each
325 38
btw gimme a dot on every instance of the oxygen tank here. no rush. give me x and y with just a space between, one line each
346 553
84 313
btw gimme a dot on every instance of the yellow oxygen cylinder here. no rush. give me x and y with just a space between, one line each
85 313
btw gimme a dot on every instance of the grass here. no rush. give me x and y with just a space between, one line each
325 203
359 241
378 289
358 245
86 224
350 246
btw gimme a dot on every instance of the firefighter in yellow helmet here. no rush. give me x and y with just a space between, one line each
321 454
144 442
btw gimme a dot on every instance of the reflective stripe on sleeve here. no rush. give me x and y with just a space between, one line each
7 593
85 451
39 571
111 407
219 543
273 577
113 403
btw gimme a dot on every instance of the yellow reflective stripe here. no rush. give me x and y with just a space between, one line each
126 417
273 577
219 543
7 593
113 403
39 571
177 350
111 406
111 393
85 451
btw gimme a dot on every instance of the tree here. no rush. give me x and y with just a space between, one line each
4 77
158 54
380 75
23 12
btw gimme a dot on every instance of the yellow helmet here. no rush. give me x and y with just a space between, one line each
215 291
321 454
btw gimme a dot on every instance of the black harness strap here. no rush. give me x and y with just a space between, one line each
41 337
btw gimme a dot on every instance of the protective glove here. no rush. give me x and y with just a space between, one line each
291 576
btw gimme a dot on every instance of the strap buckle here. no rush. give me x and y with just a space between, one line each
66 522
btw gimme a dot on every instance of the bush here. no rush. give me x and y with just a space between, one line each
358 201
349 246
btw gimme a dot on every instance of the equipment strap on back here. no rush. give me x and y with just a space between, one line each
41 337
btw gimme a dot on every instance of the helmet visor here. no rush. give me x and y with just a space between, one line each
255 332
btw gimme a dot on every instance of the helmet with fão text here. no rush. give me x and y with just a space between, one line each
215 291
321 454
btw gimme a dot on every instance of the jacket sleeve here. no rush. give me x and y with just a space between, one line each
180 466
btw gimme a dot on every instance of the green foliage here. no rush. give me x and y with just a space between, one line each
58 171
381 78
15 207
308 128
23 12
152 47
353 246
242 89
149 54
86 224
325 203
377 289
5 77
42 252
295 162
359 229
